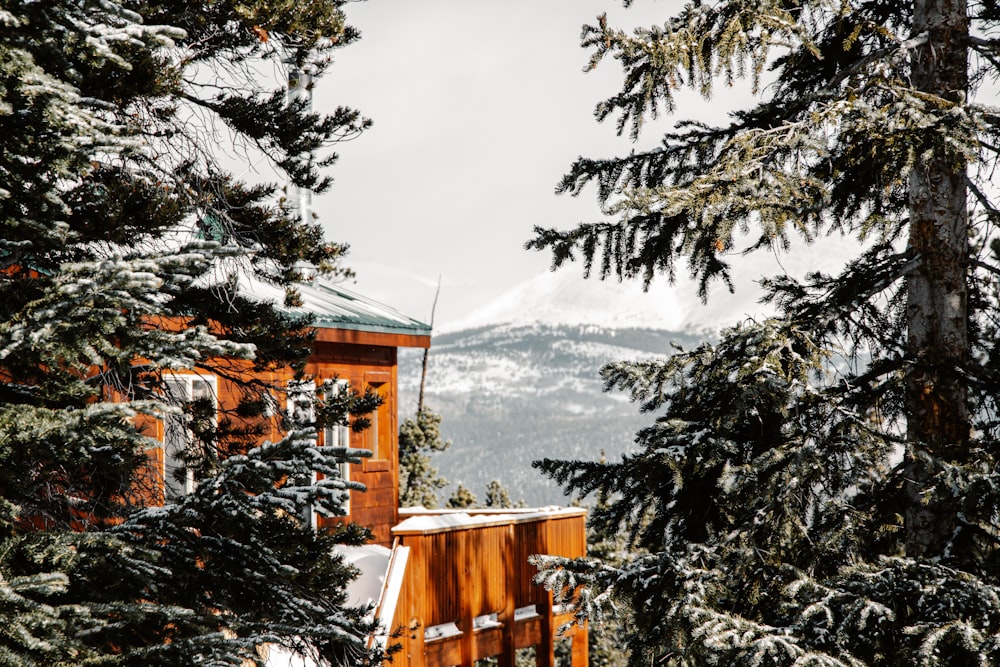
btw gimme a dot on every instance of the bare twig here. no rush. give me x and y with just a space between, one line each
423 370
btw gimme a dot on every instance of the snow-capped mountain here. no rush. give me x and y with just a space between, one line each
565 298
518 380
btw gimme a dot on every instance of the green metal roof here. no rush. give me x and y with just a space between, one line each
333 307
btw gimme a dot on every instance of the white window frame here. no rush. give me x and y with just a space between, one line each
300 411
339 436
374 429
300 402
180 388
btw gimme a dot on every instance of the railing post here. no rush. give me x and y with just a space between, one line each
512 572
580 649
414 619
414 646
465 611
545 652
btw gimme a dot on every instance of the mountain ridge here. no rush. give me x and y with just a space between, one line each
509 394
517 379
564 298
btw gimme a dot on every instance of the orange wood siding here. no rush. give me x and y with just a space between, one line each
458 573
361 365
375 339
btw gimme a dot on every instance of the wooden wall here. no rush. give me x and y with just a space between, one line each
368 366
459 573
364 366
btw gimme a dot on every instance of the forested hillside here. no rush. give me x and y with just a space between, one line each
510 394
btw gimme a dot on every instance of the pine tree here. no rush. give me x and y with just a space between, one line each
606 636
124 245
462 498
820 487
419 481
498 496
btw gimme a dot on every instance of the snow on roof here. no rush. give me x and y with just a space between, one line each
373 564
431 521
279 656
335 307
372 560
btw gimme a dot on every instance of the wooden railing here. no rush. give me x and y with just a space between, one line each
468 592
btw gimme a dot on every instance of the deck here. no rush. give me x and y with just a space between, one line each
467 591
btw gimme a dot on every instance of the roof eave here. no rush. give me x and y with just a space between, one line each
364 334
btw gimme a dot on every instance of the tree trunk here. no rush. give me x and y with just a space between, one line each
938 419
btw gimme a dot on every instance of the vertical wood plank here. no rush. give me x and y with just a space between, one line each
469 584
511 570
416 653
580 656
545 652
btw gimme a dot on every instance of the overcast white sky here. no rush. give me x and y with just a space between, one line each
479 107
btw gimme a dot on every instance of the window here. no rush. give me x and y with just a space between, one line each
378 436
180 390
300 403
338 435
300 409
374 431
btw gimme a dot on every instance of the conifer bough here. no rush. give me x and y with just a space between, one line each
118 215
819 487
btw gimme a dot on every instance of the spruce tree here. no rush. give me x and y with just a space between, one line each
125 242
462 498
820 487
419 481
497 496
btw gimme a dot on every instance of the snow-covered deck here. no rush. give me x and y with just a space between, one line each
415 520
459 586
468 591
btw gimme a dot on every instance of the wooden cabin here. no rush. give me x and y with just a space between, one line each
448 587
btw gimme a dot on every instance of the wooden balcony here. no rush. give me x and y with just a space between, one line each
467 590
